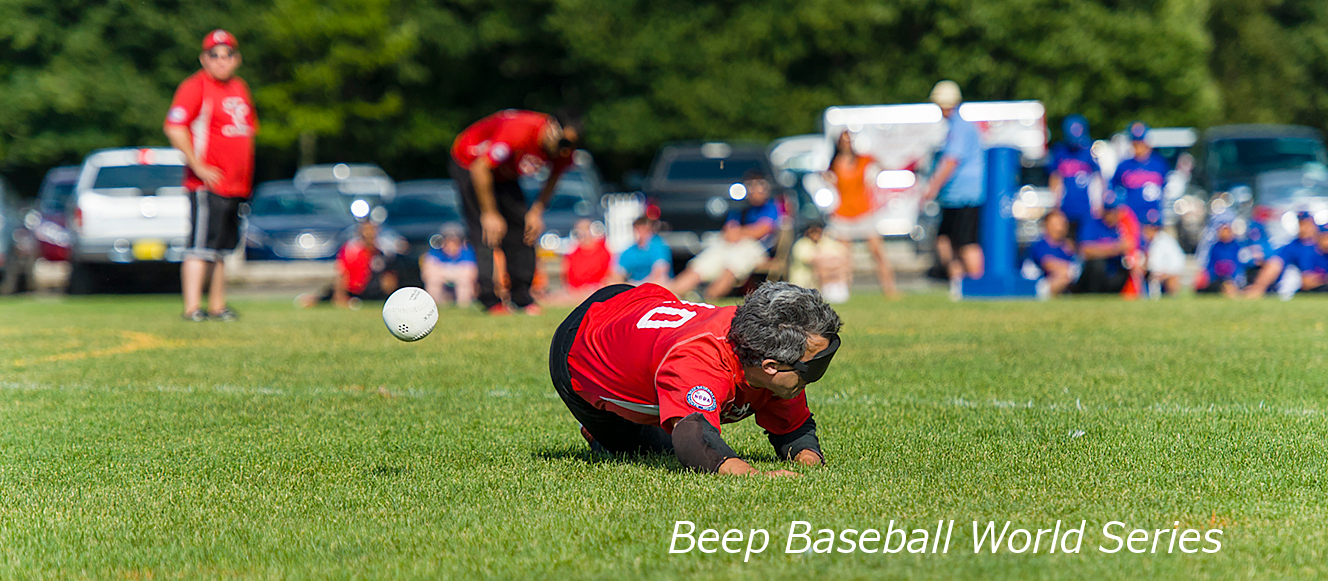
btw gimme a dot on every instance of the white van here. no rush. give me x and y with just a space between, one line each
130 207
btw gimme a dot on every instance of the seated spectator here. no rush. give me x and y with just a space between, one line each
586 268
1109 247
821 262
1286 266
363 272
648 260
450 271
1053 255
1255 249
742 246
1165 261
1220 260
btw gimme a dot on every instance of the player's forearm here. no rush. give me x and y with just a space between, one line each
758 231
181 140
941 177
481 177
797 444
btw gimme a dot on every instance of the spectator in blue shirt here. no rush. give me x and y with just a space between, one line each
1053 254
957 185
742 246
450 271
1288 265
1141 178
649 259
1073 171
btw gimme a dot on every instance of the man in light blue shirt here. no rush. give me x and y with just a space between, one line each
957 185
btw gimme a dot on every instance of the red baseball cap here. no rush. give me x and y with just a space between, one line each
217 37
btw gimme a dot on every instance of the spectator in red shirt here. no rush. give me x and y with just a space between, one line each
644 371
487 158
212 121
587 266
363 272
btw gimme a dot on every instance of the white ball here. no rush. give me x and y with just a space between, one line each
410 313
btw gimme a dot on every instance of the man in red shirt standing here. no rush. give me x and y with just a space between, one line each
645 372
487 159
212 121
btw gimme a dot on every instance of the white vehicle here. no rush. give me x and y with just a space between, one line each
130 207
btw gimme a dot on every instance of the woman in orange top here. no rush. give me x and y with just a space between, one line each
855 218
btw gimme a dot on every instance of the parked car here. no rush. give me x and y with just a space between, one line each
18 249
1236 161
690 185
365 183
130 214
284 222
417 213
576 197
52 216
1278 196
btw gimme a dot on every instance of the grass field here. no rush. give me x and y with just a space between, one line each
311 444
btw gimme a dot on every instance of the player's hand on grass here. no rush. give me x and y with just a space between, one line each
737 467
494 228
808 458
534 224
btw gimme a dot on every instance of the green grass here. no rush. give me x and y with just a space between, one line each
311 444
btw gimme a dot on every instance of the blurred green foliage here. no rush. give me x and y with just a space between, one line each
393 81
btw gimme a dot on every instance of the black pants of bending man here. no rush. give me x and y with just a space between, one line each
511 202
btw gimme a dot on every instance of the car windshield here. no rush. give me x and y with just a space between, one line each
422 207
295 203
148 178
1235 157
711 170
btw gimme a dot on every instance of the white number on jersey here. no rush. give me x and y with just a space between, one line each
660 318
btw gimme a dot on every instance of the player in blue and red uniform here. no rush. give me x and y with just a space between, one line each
1109 247
487 159
1073 170
1220 258
1141 179
645 372
1301 254
1053 254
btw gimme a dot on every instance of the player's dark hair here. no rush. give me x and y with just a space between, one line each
775 321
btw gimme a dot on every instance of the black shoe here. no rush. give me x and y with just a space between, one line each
226 316
199 316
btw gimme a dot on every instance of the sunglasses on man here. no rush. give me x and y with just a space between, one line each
814 369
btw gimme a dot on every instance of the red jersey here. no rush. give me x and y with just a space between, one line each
355 261
650 358
588 265
221 119
509 139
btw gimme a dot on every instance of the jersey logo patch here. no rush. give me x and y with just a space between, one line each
176 115
701 398
498 152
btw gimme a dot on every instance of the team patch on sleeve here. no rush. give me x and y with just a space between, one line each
498 152
176 115
701 398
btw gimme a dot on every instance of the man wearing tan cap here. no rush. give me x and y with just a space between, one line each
212 121
957 185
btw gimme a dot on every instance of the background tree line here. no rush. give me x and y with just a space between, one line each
393 81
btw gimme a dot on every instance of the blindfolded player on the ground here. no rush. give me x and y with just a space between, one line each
645 372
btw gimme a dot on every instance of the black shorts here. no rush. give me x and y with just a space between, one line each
612 432
960 225
214 225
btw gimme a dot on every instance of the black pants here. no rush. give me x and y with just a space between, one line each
611 431
520 257
1097 279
